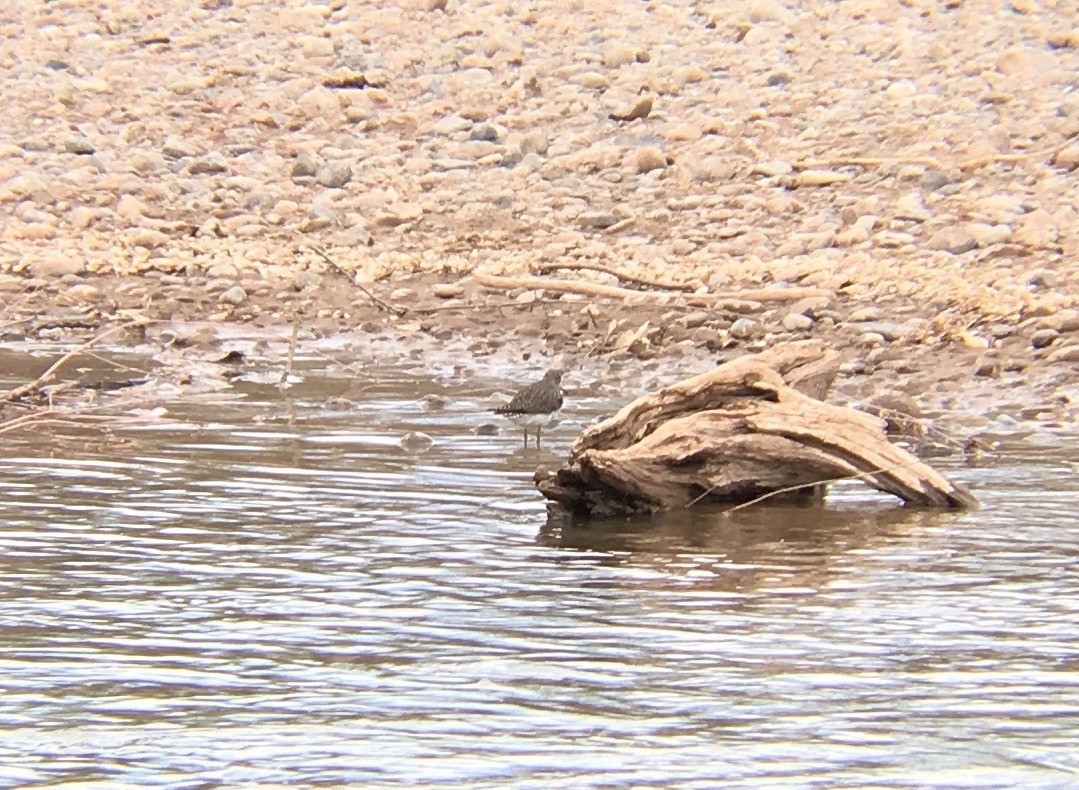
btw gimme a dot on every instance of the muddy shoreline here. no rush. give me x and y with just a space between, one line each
898 359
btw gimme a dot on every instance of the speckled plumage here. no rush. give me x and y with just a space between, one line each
535 405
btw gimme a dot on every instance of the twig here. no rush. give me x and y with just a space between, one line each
737 298
291 352
629 278
379 303
21 392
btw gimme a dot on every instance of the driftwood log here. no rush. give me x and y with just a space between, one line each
751 428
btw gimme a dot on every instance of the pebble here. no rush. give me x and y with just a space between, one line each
598 219
234 296
821 178
641 107
1067 157
773 168
211 163
796 322
334 175
1068 353
78 144
649 159
447 290
1044 337
986 235
910 206
1043 278
57 265
416 441
744 328
399 214
149 238
955 240
175 148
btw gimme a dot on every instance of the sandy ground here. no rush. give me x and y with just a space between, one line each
911 166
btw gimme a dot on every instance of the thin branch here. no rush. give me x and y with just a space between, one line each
381 304
21 392
629 278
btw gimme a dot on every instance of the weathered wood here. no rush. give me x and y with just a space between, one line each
752 427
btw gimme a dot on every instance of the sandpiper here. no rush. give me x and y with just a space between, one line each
536 405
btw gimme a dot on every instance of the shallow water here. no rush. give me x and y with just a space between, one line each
268 591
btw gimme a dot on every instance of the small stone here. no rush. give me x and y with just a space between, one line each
619 55
641 107
1044 337
175 148
149 238
744 328
447 290
821 178
971 340
1067 157
594 80
772 168
955 240
486 429
334 175
1043 278
901 89
319 101
535 142
1038 230
57 265
649 159
598 219
77 144
986 235
934 179
484 132
1065 354
910 206
777 79
399 214
416 441
209 164
796 322
234 296
305 166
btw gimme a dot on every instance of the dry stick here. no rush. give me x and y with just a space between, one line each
25 389
629 278
970 164
379 303
739 298
291 352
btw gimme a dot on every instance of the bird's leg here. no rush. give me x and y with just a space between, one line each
538 429
525 429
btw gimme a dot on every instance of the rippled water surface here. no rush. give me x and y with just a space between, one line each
263 591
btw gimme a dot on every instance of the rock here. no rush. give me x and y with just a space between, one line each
486 429
57 264
1038 230
334 175
1067 157
1068 353
1064 321
399 214
484 132
619 55
641 107
598 219
416 441
149 238
796 322
1044 337
319 101
234 296
955 240
175 148
77 144
744 328
594 80
986 235
211 163
772 168
821 178
934 180
447 290
305 166
649 159
1043 278
910 206
535 142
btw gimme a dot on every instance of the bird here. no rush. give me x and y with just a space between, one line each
535 405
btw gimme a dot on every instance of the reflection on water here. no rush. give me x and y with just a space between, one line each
270 593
